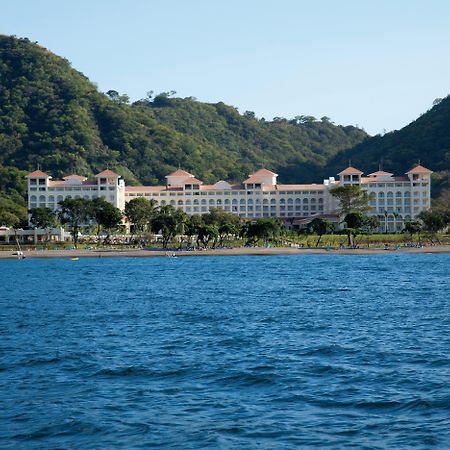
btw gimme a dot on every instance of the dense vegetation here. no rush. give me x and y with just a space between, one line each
427 140
51 115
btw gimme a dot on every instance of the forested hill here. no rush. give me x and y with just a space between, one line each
427 140
53 116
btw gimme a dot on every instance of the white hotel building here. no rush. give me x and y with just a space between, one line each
393 199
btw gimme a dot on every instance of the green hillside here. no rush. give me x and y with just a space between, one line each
427 140
51 115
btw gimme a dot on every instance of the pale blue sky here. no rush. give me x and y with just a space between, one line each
379 64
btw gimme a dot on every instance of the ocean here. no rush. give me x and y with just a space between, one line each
245 352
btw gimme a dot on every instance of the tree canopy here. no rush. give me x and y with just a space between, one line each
352 199
52 115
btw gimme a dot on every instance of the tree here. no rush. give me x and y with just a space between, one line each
8 208
163 99
74 212
321 226
228 229
352 199
116 97
113 95
182 224
226 222
433 221
412 227
218 217
140 212
351 233
355 220
170 222
12 214
45 219
371 223
265 229
206 233
106 215
11 221
193 224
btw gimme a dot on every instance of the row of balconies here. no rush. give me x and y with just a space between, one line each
399 202
219 193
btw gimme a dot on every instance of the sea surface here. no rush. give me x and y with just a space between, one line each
245 352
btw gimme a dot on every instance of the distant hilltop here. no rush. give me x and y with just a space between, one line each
52 115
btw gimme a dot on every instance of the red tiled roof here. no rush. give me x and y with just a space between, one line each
38 174
380 173
145 188
56 183
75 177
107 173
192 180
419 169
213 187
299 187
374 180
179 173
253 179
59 183
350 171
263 172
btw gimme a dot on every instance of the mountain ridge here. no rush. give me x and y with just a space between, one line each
52 115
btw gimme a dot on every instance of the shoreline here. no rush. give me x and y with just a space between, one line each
247 251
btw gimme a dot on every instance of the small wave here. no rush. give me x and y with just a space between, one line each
379 404
326 350
67 428
329 369
137 371
41 361
439 362
249 379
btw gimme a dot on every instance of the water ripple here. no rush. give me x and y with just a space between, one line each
241 352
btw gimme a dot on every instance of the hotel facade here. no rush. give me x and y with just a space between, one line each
393 199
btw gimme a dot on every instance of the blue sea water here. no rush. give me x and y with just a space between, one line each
279 352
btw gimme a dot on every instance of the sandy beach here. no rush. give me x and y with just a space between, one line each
254 251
